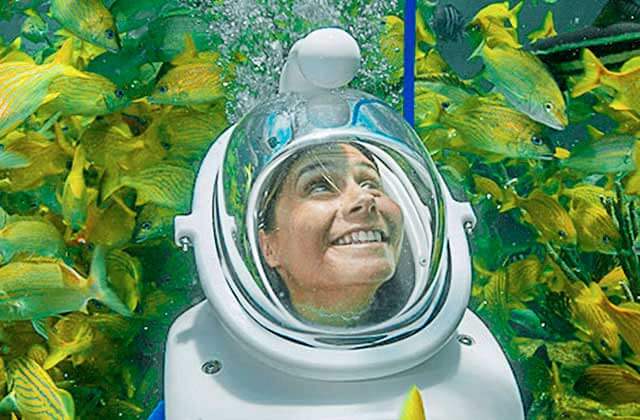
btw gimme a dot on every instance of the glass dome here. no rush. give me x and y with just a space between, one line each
329 218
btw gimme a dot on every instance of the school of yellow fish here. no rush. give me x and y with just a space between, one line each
91 178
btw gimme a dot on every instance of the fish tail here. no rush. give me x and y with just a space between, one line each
56 356
101 289
510 200
513 14
73 72
413 407
593 71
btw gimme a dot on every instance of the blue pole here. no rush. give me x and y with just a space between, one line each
158 412
409 60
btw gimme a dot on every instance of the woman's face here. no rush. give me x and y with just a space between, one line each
337 234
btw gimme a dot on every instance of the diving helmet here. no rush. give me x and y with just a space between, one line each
334 262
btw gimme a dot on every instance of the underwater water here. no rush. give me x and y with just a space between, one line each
96 121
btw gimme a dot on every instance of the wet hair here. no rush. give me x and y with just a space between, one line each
266 217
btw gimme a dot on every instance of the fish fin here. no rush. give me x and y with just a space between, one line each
55 356
478 51
65 53
67 401
513 14
593 71
111 182
546 31
594 133
101 289
510 200
633 360
8 403
630 65
12 160
30 12
4 217
413 408
40 327
50 97
188 54
423 32
561 153
620 104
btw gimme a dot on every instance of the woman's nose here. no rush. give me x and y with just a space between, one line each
360 202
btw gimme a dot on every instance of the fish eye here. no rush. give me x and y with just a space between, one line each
165 145
606 239
562 233
145 225
110 33
445 105
162 89
119 93
536 140
604 345
548 106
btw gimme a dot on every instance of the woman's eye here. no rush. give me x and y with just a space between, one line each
319 187
371 183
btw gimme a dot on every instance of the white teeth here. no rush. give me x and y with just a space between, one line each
360 237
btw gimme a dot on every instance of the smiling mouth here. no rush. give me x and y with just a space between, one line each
361 237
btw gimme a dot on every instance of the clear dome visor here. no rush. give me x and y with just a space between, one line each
331 219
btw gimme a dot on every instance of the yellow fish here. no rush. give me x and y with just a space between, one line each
610 384
75 194
69 337
586 193
28 238
392 42
110 224
526 84
597 325
490 126
166 184
187 134
46 158
92 96
596 229
189 84
625 83
546 31
496 24
24 87
154 222
125 273
488 188
87 19
614 282
33 290
33 394
413 408
545 213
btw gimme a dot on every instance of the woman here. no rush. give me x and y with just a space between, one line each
331 233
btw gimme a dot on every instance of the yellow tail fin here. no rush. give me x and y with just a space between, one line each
413 408
510 200
593 71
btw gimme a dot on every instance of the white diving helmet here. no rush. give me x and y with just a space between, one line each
335 264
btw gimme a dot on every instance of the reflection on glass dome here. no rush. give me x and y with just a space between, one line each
329 213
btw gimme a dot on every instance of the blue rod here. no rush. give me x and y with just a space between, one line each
409 59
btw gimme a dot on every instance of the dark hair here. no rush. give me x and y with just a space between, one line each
267 213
